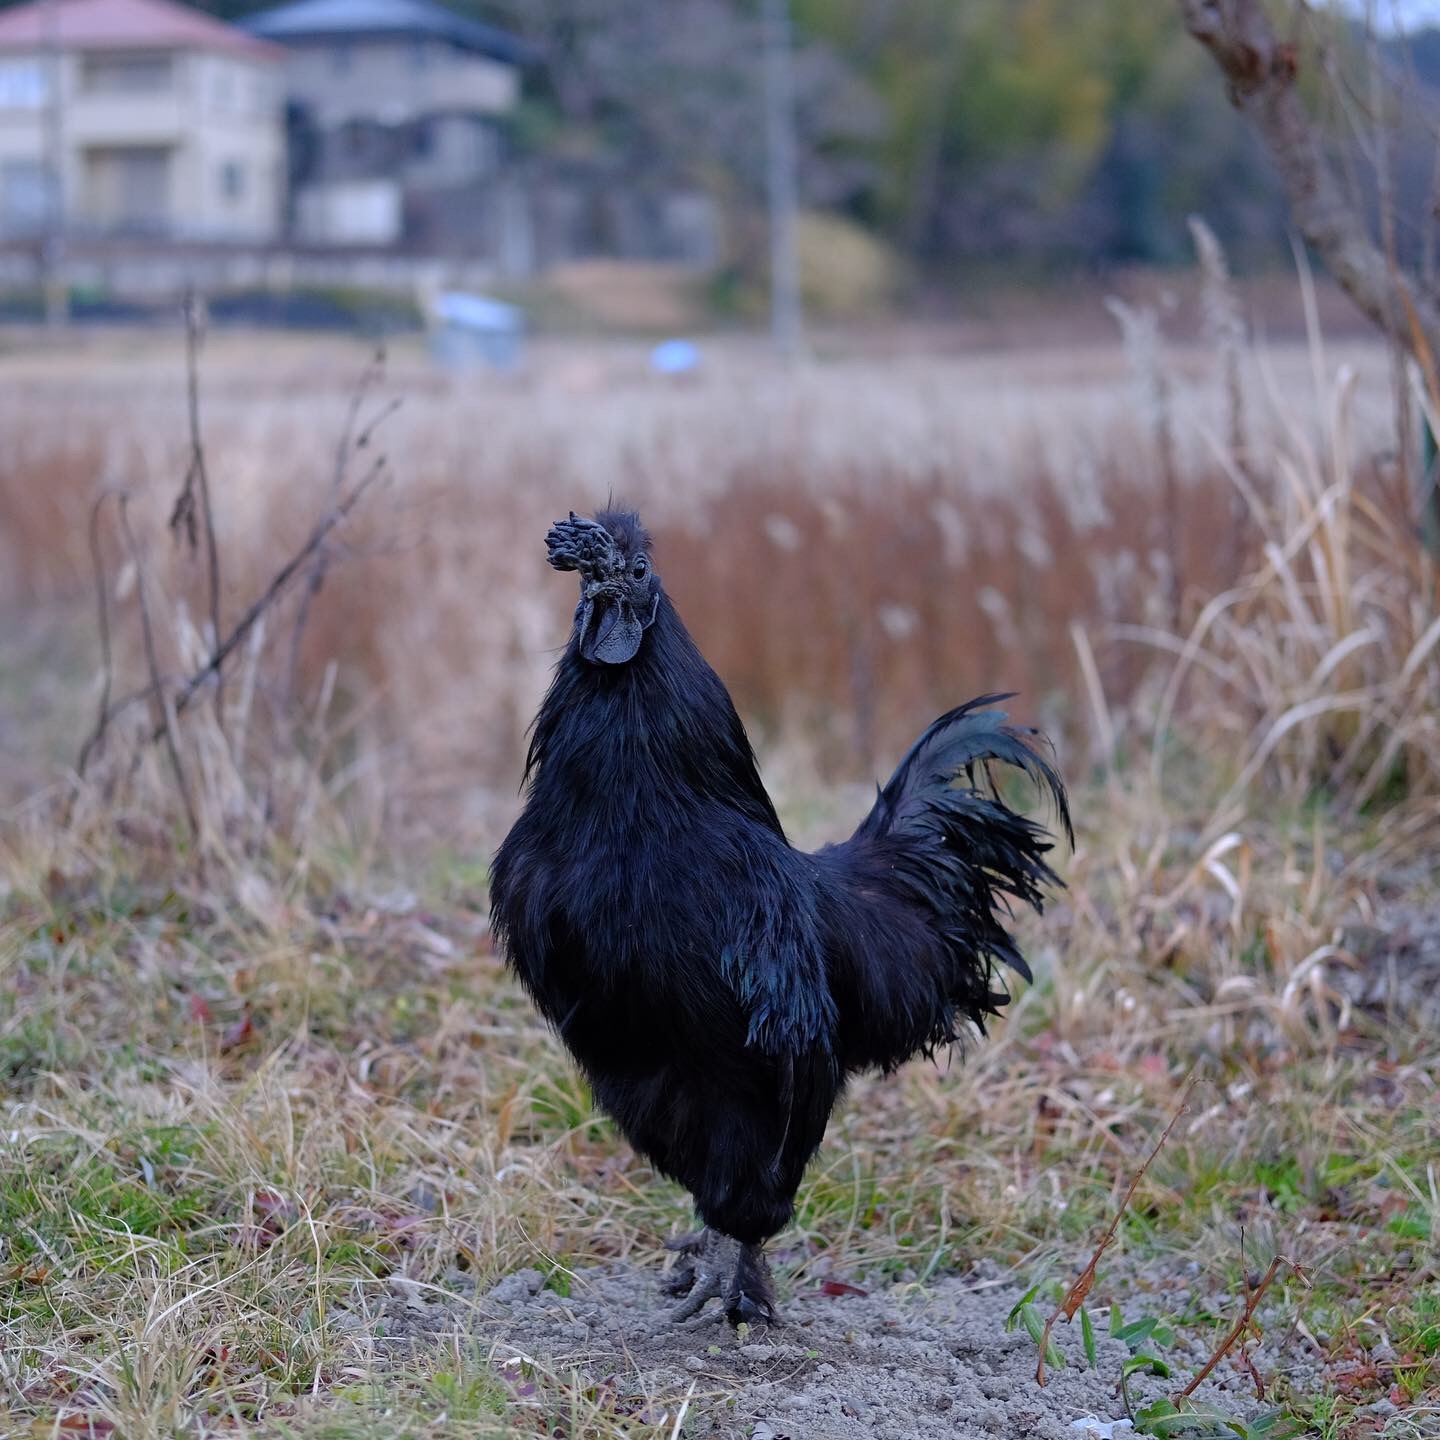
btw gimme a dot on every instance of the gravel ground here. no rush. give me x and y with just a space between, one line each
897 1362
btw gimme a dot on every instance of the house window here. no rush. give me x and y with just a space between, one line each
24 85
26 195
232 179
127 189
126 74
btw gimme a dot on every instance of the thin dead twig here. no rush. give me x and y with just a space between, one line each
1076 1296
134 697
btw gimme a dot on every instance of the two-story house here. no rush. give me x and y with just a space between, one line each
125 117
396 113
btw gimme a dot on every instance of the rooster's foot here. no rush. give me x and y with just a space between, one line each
724 1269
681 1279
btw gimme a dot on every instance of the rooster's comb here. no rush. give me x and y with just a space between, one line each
596 548
581 544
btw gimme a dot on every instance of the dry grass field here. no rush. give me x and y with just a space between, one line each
265 1091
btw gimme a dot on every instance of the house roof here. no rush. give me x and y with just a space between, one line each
124 25
331 19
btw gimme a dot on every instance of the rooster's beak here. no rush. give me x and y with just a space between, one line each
609 625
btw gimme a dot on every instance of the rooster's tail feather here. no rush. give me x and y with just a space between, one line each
959 850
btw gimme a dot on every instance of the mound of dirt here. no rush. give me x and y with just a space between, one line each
904 1362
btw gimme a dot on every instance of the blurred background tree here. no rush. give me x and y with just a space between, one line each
1043 132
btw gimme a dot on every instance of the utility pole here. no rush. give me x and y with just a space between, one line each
52 240
786 322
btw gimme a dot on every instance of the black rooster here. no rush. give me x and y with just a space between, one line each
716 985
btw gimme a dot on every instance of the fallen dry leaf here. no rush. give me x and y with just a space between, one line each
242 1032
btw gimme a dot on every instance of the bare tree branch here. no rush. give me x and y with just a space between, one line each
1261 70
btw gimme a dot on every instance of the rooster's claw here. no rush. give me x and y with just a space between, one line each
681 1279
691 1244
743 1309
723 1269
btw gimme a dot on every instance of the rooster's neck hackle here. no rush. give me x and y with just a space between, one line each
655 730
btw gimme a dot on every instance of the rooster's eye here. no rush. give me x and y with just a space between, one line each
639 569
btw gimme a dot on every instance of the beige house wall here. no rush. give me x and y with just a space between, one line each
216 130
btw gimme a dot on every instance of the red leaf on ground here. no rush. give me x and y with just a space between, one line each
1154 1067
270 1206
839 1287
200 1009
274 1212
403 1230
1393 1205
242 1032
90 1425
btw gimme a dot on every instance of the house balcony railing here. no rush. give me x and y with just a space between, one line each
119 120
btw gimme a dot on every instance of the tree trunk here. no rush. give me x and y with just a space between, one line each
1261 70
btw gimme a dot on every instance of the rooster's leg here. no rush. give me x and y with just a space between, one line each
724 1269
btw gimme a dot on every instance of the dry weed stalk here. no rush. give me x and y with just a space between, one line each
219 764
1076 1295
277 587
1329 651
349 444
1224 323
167 724
197 479
102 625
1140 329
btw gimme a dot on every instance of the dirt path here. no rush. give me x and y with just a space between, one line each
894 1364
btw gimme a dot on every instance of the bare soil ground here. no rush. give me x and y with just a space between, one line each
897 1362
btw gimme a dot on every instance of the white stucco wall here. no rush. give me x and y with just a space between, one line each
219 122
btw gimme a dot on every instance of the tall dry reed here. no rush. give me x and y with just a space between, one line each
853 551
